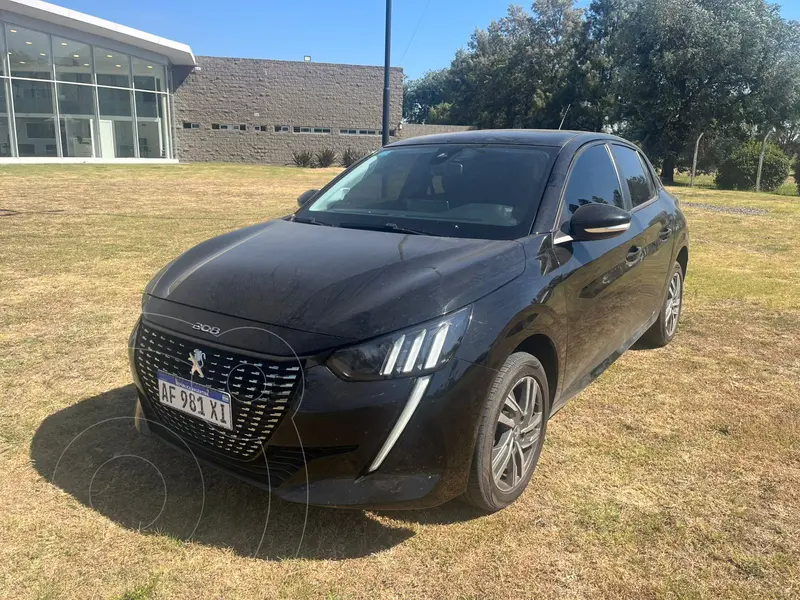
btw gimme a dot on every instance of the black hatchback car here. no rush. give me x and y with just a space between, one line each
404 337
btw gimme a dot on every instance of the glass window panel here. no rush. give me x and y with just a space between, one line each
5 126
76 136
35 118
593 180
36 136
5 136
152 126
73 60
28 53
148 105
32 97
113 102
75 99
649 174
633 174
113 68
2 50
123 139
148 75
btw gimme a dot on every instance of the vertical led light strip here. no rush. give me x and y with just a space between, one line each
416 346
411 405
436 348
391 359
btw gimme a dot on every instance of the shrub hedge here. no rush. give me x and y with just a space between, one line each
738 171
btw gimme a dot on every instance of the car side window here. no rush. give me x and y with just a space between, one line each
593 179
632 171
651 176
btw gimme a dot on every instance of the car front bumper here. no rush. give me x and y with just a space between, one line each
324 451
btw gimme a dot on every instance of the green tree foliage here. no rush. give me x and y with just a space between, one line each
739 171
591 91
516 73
797 174
440 114
656 71
715 147
693 63
424 93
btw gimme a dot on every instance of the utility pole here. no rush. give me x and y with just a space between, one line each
694 160
761 160
386 73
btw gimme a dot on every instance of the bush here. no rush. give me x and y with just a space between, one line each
303 158
326 157
738 172
351 157
797 173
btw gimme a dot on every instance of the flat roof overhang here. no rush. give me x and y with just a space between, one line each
177 53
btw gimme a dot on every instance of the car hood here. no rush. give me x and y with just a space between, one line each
342 282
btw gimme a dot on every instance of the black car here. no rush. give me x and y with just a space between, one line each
404 337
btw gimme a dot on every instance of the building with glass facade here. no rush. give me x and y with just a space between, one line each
75 88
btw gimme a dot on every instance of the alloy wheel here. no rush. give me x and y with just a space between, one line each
517 432
672 310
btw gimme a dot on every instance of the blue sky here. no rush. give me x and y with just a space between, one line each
347 31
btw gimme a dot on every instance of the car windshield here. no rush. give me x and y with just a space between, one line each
468 190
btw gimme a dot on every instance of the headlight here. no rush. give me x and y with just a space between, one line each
408 353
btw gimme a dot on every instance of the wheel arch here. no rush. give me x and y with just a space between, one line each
683 258
544 349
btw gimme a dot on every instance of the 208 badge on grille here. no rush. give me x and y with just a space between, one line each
206 328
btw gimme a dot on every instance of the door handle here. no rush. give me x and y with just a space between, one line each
635 254
664 234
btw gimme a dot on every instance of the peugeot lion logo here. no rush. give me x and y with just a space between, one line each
197 357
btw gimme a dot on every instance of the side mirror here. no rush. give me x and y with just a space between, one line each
303 198
598 222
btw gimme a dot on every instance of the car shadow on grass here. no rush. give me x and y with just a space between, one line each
92 451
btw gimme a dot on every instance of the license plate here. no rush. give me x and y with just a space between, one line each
211 406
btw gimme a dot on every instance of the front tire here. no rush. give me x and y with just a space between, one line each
511 434
664 329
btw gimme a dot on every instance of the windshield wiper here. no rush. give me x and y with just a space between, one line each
311 221
385 227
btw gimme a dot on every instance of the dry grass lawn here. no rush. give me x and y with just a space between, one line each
676 475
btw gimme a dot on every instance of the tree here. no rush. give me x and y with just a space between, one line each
440 114
514 73
592 82
420 95
659 72
689 64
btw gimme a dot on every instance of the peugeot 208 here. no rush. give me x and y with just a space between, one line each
404 337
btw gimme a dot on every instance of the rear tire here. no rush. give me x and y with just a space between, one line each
510 435
664 329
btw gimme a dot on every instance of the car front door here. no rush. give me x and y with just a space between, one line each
599 281
651 218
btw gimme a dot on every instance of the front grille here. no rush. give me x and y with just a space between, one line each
261 390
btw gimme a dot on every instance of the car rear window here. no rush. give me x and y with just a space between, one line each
468 190
633 174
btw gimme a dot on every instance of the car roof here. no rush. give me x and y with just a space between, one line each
529 137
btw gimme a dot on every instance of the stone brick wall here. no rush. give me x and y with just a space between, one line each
411 130
272 92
